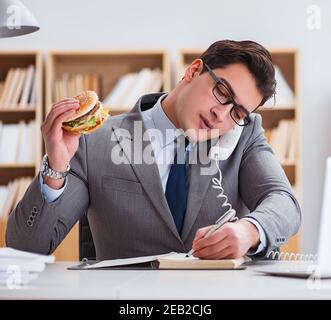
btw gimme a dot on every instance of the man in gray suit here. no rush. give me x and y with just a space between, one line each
138 208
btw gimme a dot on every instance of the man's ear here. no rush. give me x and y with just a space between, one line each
193 70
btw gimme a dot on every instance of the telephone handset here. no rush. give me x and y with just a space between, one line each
222 151
226 144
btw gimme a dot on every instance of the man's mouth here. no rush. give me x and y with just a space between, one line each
204 123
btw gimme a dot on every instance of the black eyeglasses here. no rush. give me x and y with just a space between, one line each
225 96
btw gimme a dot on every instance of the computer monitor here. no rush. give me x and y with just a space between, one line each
324 242
321 267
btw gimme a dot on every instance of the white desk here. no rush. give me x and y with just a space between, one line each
56 282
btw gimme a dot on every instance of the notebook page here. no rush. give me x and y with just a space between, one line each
123 262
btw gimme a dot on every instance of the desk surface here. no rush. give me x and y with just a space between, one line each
56 282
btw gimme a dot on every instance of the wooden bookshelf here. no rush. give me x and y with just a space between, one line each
12 115
109 66
287 62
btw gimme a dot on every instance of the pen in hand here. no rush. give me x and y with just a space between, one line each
227 217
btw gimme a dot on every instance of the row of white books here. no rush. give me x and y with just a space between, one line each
71 85
132 86
18 267
282 140
10 195
18 91
18 143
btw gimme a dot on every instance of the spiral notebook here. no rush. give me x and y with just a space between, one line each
301 265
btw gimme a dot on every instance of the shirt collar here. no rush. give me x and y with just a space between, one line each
163 123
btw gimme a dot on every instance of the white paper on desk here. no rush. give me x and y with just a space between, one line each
12 279
21 265
9 253
128 261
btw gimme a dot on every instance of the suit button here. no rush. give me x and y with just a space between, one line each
30 223
35 209
33 214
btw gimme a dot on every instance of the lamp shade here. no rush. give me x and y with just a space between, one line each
16 19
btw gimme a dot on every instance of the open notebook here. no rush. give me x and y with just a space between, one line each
170 260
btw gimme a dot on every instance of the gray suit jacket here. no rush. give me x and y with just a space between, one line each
126 206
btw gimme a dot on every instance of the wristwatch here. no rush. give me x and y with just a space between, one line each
46 170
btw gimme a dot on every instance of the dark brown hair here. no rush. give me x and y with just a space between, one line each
254 56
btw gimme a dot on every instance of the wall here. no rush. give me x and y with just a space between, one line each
106 24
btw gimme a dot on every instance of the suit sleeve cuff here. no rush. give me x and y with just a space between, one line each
50 194
263 238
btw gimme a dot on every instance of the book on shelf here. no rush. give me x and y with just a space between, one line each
2 85
69 85
117 95
130 87
17 142
10 195
3 197
172 260
18 88
282 140
291 151
11 88
28 87
9 143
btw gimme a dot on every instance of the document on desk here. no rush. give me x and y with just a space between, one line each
20 267
172 260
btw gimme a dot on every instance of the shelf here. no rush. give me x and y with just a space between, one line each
271 118
16 165
277 108
22 59
109 66
116 110
7 173
290 171
14 116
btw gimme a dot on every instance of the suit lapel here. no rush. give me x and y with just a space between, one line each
148 174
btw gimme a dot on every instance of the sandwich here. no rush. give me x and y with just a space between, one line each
90 115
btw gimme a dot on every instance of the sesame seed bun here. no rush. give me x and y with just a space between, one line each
87 101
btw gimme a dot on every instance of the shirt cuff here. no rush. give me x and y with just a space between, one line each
50 194
263 238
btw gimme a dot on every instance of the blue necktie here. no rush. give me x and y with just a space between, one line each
176 193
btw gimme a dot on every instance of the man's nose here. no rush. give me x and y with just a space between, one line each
220 113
